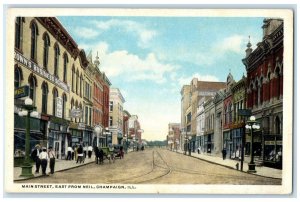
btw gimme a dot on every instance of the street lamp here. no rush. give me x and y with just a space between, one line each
252 125
27 167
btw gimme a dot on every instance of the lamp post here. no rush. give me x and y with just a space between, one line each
252 125
27 167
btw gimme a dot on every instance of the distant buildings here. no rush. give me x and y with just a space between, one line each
190 96
210 111
173 136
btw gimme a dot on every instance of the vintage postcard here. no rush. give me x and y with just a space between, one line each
172 101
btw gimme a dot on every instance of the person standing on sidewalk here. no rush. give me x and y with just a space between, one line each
69 156
35 157
44 160
80 154
85 148
90 150
51 155
224 152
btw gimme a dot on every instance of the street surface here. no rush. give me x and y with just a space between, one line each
155 166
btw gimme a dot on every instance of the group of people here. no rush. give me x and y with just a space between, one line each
79 153
41 157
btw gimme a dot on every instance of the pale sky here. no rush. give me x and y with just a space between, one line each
150 58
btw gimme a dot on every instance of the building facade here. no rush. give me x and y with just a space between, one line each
190 96
44 57
173 136
264 68
116 102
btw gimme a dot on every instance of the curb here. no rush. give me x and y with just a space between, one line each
230 167
40 176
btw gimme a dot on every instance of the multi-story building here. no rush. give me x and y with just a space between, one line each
227 116
116 101
208 136
218 135
264 68
126 117
190 96
45 57
173 136
99 119
135 132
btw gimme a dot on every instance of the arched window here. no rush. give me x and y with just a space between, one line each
277 125
72 106
269 85
80 107
18 77
55 95
225 115
81 79
56 59
64 99
256 93
46 50
44 97
32 87
73 75
66 60
230 113
18 33
34 33
76 107
261 91
77 81
278 82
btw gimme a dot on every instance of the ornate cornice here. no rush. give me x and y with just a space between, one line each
60 33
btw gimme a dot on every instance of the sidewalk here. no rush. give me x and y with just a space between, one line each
59 166
230 163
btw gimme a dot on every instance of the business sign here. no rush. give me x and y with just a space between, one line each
22 91
244 112
59 107
81 126
76 113
40 71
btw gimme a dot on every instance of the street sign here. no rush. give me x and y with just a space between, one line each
244 112
22 91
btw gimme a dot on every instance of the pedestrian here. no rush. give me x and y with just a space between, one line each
85 151
121 152
80 154
73 152
35 157
51 155
76 153
69 156
199 150
90 150
224 152
101 155
44 160
96 149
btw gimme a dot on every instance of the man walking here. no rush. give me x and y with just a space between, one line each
69 157
90 150
44 160
224 152
51 155
35 157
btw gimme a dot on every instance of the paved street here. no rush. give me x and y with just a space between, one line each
155 166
